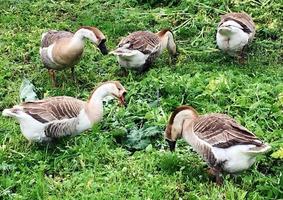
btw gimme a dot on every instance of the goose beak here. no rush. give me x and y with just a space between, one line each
172 145
122 100
102 47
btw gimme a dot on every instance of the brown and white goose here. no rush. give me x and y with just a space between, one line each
223 143
235 31
62 49
54 117
139 49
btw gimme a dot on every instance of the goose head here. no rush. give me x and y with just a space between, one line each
118 91
174 127
95 36
109 88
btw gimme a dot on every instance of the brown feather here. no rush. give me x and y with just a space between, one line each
222 131
143 41
53 36
53 108
65 56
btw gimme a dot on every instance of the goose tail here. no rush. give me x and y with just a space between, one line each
8 113
259 149
122 52
12 112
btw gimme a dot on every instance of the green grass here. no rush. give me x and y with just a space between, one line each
97 164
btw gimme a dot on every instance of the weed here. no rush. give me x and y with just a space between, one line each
95 165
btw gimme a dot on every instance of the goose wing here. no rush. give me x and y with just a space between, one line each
57 129
241 18
222 131
52 36
54 108
143 41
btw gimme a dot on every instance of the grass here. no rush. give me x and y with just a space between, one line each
97 164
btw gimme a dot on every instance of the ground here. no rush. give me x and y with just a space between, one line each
97 164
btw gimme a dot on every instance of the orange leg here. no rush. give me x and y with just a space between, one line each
53 77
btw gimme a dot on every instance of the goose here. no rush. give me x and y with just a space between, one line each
235 31
63 49
139 49
223 143
55 117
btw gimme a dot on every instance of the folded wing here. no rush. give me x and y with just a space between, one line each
222 131
143 41
52 36
54 108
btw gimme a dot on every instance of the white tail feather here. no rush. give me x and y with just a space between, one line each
7 113
122 52
258 150
10 113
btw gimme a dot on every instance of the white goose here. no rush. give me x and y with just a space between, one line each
223 143
235 31
63 49
139 49
54 117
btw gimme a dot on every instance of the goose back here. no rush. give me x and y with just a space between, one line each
220 130
52 36
143 41
241 18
